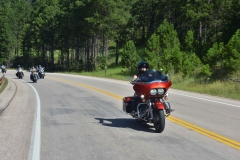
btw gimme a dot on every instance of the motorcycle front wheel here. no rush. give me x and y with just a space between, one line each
35 80
159 121
19 75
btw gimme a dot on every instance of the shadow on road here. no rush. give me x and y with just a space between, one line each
23 82
126 123
28 82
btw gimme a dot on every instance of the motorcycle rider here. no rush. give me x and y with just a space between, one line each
31 71
41 70
37 69
142 68
3 68
19 67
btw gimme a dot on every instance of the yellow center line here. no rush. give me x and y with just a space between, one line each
205 132
193 127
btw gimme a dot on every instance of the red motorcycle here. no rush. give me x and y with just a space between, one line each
150 101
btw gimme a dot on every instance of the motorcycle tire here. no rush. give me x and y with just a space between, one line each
159 121
20 75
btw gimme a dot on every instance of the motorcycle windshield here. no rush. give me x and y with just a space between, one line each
153 75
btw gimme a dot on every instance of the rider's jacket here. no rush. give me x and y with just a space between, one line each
32 69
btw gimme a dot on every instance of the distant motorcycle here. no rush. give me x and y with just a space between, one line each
41 73
33 76
19 73
3 68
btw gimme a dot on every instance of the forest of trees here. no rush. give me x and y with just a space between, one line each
188 36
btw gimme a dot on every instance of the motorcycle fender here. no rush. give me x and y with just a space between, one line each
157 105
127 104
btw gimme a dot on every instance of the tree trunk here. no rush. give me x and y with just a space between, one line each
152 21
200 32
94 54
52 55
103 45
43 55
67 52
117 52
143 33
77 52
87 53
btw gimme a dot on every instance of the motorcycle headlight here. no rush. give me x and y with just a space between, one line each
160 91
153 92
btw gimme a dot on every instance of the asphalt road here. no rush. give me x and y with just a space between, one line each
77 117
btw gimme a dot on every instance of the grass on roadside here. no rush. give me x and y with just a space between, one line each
227 89
3 85
111 73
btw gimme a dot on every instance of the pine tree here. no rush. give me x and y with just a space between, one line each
163 49
191 61
129 56
231 58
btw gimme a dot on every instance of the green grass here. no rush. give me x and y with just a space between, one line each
3 85
222 89
227 89
112 73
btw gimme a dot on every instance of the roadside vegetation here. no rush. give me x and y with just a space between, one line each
226 89
3 85
196 42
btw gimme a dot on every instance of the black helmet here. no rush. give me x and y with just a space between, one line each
143 64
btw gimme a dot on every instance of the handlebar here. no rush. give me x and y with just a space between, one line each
134 81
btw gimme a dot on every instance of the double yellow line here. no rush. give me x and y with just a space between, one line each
205 132
200 130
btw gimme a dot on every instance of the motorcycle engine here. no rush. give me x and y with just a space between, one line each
143 110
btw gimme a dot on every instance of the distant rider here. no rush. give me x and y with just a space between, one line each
40 68
31 72
18 68
4 70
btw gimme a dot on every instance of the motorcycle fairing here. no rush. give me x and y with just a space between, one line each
157 104
144 88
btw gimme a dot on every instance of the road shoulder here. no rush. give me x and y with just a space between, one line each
7 95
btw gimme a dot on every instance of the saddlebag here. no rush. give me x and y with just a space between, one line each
127 104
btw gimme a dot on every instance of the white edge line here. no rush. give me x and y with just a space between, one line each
206 99
35 145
